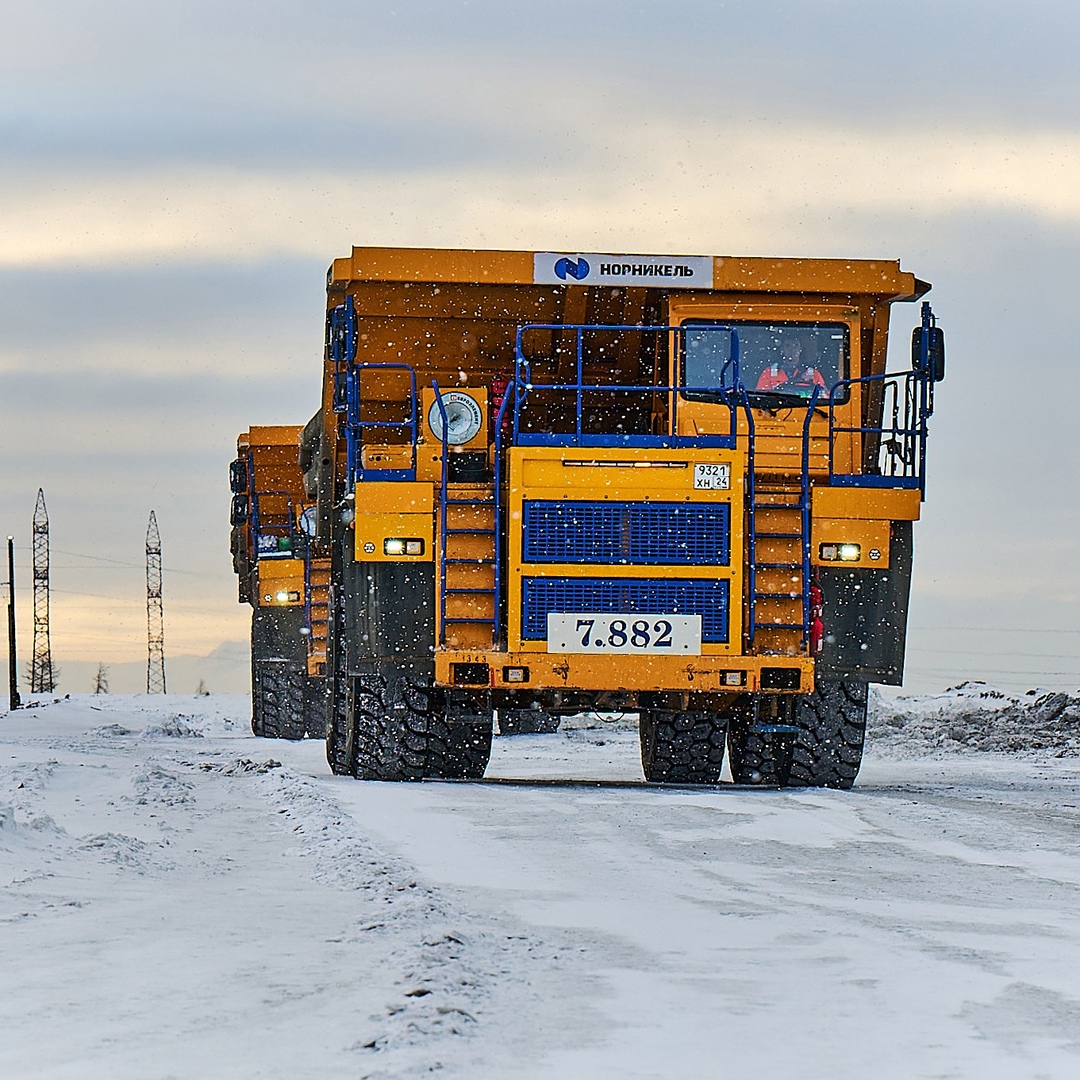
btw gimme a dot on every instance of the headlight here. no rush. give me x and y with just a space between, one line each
399 546
840 552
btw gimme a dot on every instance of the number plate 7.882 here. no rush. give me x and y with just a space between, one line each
589 632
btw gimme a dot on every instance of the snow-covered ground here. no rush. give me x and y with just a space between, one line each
181 900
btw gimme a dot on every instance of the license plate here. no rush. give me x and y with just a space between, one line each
587 632
712 476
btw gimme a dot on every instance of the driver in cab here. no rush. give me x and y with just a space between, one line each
790 373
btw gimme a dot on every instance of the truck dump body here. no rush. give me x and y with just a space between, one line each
682 485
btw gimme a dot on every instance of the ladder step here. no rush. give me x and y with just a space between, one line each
480 619
470 502
778 596
470 532
777 536
779 626
778 566
470 562
451 591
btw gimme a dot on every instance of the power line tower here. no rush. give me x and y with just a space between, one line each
155 619
42 676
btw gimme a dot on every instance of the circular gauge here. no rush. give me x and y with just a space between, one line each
463 418
308 521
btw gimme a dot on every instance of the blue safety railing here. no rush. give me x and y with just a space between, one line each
906 404
269 530
356 424
725 388
443 504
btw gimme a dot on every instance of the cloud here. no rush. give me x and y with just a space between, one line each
652 186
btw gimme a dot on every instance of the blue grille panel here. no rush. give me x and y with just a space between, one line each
709 599
649 533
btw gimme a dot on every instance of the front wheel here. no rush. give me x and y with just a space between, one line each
681 748
831 731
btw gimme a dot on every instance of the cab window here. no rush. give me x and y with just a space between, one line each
777 360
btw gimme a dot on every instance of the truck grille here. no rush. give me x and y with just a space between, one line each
709 599
650 533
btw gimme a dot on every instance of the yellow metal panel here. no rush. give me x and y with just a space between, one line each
873 277
435 264
877 277
280 575
389 497
881 503
620 475
372 529
871 536
276 435
586 671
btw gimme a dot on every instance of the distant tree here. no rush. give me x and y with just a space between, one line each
101 680
51 676
202 690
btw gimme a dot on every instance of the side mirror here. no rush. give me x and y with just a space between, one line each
933 362
238 514
937 353
238 476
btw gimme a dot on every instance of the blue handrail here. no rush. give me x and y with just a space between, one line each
903 440
511 388
442 510
804 506
523 376
355 424
285 527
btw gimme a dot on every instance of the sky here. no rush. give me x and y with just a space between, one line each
175 179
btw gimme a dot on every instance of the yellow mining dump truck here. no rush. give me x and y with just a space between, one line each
284 579
678 486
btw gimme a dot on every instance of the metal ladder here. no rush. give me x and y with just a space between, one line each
465 503
785 532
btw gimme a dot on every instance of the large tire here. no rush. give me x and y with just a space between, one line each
831 726
277 700
402 733
339 720
759 755
527 722
681 748
315 706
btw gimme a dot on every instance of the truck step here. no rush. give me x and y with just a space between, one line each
451 591
470 532
470 562
778 596
777 536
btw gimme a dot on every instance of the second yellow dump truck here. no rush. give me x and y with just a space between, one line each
681 486
284 580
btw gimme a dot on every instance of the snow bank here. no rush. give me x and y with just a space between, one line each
975 716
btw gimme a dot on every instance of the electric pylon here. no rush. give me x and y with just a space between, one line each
42 679
155 619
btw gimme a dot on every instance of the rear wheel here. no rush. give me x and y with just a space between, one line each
338 722
527 722
831 725
681 748
315 707
277 700
402 733
759 754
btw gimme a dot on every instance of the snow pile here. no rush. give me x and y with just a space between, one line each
178 726
975 716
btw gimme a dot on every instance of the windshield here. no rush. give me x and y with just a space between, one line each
778 359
